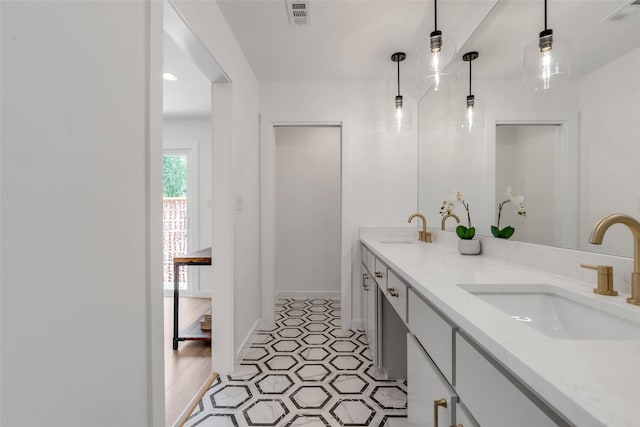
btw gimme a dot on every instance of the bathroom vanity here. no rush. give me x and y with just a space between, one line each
494 343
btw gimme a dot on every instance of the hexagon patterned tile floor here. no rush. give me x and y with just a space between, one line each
304 372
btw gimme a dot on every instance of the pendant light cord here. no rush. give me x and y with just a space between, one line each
435 14
545 15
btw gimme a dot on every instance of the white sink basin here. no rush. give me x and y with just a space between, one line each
560 313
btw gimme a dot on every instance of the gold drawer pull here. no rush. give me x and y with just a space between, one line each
365 277
436 405
393 292
378 275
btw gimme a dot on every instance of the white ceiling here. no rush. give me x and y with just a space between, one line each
346 39
513 24
354 39
190 95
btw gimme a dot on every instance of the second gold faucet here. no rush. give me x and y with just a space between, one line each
424 235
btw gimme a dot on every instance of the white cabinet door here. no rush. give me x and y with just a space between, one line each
371 328
430 397
489 395
368 305
463 418
365 284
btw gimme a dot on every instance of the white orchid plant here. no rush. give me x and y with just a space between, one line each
465 233
517 202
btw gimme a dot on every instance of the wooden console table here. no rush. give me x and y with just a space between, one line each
193 332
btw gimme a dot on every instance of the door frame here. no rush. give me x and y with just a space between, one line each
190 150
268 124
567 168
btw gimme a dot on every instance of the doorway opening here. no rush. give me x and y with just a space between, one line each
270 126
180 214
188 117
308 211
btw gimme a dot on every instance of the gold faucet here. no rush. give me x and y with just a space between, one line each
596 238
424 235
605 279
444 219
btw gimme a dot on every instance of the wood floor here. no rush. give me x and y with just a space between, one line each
187 368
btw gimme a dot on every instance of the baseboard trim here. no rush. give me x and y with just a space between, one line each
308 294
184 415
244 347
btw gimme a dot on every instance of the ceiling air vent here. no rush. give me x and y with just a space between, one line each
623 12
298 12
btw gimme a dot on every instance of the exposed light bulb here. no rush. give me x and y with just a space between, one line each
433 57
545 65
435 68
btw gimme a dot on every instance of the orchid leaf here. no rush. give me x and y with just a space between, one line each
465 233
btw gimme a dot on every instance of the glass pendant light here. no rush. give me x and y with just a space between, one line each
472 116
400 115
546 60
434 56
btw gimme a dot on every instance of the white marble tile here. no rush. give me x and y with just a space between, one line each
308 421
267 412
281 362
389 397
353 412
274 384
314 354
310 397
349 384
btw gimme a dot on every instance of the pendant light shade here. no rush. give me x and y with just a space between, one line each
472 113
546 59
434 56
399 120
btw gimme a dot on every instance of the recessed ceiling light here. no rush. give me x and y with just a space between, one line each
169 76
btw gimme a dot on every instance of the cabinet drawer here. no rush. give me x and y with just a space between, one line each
371 263
490 396
427 392
396 292
380 273
363 253
433 332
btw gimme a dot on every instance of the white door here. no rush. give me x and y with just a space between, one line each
179 213
308 211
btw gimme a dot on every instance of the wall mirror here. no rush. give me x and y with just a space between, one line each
572 151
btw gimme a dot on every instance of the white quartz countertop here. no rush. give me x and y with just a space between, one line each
592 383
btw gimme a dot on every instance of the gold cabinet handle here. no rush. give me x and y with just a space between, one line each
378 275
393 292
436 405
365 277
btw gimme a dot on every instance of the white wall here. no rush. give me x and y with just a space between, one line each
79 153
609 150
199 131
382 166
308 215
210 26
